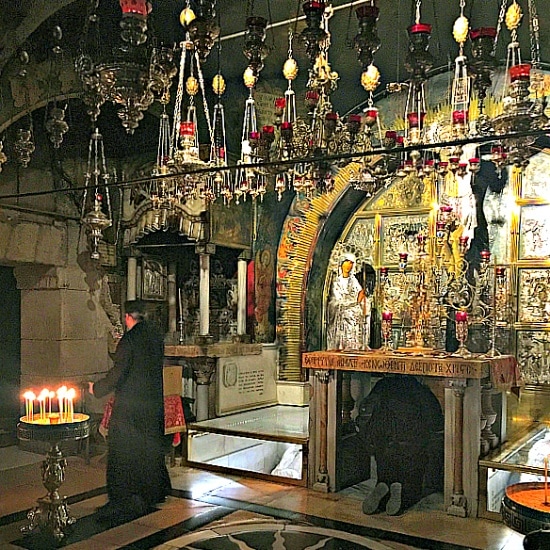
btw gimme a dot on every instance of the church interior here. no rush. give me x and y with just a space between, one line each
337 215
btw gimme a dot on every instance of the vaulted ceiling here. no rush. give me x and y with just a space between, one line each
26 37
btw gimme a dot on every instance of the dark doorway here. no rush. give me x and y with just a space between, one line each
10 355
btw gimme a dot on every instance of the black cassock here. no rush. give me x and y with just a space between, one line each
136 442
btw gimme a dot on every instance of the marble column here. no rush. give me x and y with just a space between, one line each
458 499
242 265
131 281
172 301
204 294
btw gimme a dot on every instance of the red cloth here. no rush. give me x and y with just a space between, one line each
505 373
106 419
174 420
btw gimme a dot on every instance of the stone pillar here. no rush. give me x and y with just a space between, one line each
241 296
172 292
64 329
131 281
203 369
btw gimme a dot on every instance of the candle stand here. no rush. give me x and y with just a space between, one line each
51 515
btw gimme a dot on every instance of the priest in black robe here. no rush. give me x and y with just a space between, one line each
137 477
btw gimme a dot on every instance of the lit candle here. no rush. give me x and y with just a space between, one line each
51 395
41 401
180 304
61 392
70 404
29 405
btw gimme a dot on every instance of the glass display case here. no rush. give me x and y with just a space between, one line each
521 460
270 442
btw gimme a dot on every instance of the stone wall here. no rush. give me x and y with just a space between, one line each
65 332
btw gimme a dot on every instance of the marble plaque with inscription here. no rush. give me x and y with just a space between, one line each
247 382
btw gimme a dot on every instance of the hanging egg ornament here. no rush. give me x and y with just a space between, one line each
370 78
460 29
290 69
186 16
513 16
218 84
192 86
249 78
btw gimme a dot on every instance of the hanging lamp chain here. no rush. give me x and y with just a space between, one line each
501 16
534 35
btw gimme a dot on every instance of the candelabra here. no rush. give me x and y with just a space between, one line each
387 318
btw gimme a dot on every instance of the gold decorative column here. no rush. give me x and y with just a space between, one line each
321 475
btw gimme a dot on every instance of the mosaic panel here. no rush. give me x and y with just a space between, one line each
535 232
533 355
399 235
534 296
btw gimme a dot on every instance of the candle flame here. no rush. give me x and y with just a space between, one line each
29 395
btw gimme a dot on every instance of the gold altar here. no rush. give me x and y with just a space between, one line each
467 382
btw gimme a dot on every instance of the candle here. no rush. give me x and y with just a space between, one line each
485 255
387 315
70 404
51 395
61 392
41 399
29 405
461 316
180 304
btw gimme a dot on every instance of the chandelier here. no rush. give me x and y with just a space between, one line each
302 144
96 213
519 113
130 74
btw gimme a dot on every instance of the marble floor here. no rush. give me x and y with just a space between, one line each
218 512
